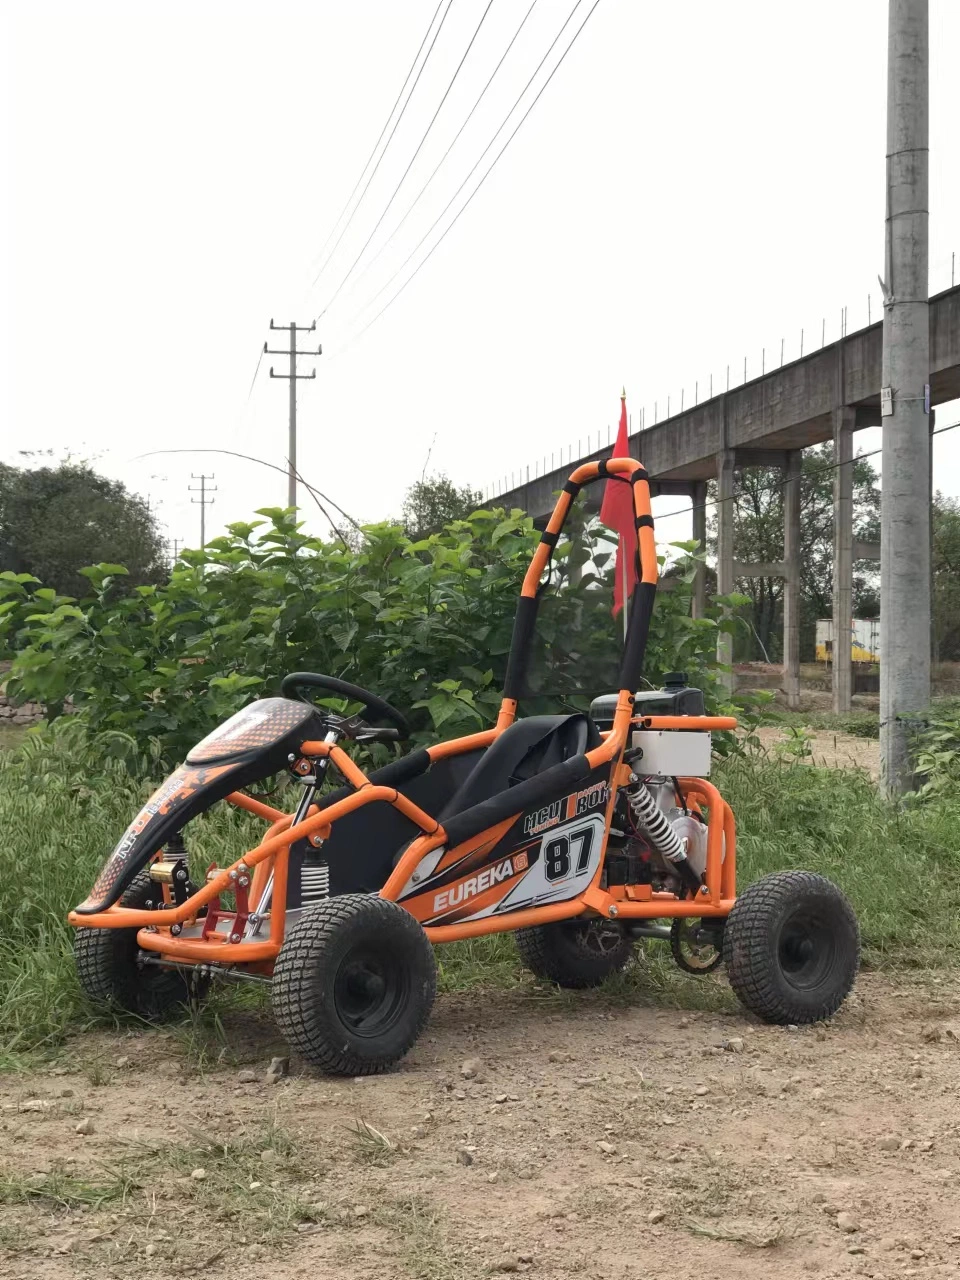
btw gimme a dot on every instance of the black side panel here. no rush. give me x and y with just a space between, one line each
363 846
188 791
251 745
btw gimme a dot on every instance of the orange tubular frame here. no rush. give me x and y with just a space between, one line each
623 902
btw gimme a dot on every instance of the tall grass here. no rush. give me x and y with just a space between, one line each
64 803
899 865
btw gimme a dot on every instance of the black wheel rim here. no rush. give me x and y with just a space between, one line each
599 938
806 949
369 992
696 946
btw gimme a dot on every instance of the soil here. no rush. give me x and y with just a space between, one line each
591 1138
827 747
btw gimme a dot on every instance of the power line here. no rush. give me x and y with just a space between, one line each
486 175
403 179
386 124
316 494
373 172
256 371
422 191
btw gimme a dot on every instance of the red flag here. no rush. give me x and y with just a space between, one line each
616 512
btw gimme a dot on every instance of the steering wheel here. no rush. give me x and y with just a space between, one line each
373 707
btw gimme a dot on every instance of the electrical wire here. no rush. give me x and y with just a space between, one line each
422 191
403 179
373 172
256 371
232 453
476 189
386 124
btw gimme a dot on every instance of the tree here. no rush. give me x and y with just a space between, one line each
758 538
55 520
434 502
946 578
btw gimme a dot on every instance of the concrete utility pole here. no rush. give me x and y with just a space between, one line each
202 502
904 396
293 376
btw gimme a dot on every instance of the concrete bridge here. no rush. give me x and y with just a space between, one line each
827 395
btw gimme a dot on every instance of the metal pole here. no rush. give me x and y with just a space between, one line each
905 508
292 438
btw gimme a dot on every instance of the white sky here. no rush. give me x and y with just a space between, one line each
697 181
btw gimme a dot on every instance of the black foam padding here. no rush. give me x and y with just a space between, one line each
548 785
638 628
523 627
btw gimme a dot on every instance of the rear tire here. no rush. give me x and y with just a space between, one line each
792 948
111 975
574 953
354 984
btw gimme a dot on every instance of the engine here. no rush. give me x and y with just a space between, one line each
655 837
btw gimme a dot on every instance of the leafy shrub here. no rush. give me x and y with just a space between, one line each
937 754
426 624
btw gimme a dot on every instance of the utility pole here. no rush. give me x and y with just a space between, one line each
202 502
293 376
905 504
175 544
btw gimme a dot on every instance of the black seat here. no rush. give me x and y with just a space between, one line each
523 750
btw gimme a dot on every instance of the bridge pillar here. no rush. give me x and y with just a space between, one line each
791 584
698 496
844 423
725 490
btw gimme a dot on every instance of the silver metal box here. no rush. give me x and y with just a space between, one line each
672 753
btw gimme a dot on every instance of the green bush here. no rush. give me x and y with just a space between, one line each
425 624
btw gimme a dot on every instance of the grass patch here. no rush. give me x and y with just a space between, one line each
371 1145
425 1251
63 806
858 724
11 735
900 866
61 1190
226 1195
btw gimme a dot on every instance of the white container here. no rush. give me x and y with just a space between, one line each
672 753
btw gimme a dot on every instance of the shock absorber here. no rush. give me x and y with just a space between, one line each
651 820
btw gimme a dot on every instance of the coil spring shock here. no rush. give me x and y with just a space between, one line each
651 820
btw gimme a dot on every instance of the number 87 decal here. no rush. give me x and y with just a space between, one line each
557 861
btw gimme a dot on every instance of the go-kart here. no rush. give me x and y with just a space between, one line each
579 833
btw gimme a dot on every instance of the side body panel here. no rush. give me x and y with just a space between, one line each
536 857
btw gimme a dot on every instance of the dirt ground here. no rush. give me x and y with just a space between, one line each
589 1139
828 748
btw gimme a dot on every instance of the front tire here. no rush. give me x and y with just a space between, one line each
792 948
574 953
354 984
111 972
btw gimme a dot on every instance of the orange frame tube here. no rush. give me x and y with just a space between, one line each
620 902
